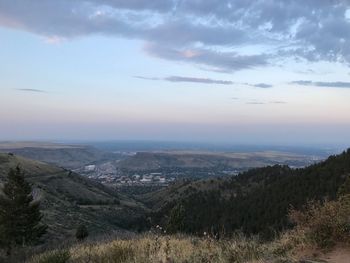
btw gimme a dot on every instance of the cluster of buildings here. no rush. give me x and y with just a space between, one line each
145 179
108 174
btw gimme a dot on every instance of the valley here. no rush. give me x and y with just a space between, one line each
118 189
186 192
127 167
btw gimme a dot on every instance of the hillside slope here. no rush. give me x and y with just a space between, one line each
67 156
69 199
255 202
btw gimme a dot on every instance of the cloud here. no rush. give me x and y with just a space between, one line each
264 103
213 33
255 103
218 61
189 79
54 40
32 90
146 78
302 82
156 5
263 85
278 102
259 85
198 80
204 81
336 84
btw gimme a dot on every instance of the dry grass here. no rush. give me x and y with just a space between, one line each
318 227
289 248
170 249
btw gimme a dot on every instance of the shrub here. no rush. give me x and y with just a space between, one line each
324 224
241 249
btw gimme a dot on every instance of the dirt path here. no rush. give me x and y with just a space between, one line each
339 255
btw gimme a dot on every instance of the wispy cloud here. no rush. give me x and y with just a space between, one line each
278 102
204 81
262 85
336 84
54 40
198 80
189 79
146 78
255 103
259 85
32 90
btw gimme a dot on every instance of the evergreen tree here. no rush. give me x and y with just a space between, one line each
81 233
19 214
176 219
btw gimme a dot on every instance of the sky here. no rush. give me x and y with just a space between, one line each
257 72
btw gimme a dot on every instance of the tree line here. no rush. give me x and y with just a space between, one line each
257 201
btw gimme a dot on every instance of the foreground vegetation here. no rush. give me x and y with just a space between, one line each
319 228
154 248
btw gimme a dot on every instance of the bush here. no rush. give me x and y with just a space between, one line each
242 249
56 256
81 233
324 224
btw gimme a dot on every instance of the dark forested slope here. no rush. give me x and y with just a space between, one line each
256 202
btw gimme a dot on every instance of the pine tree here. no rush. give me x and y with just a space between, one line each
19 214
176 222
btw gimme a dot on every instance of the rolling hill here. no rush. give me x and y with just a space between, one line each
63 155
202 159
68 199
